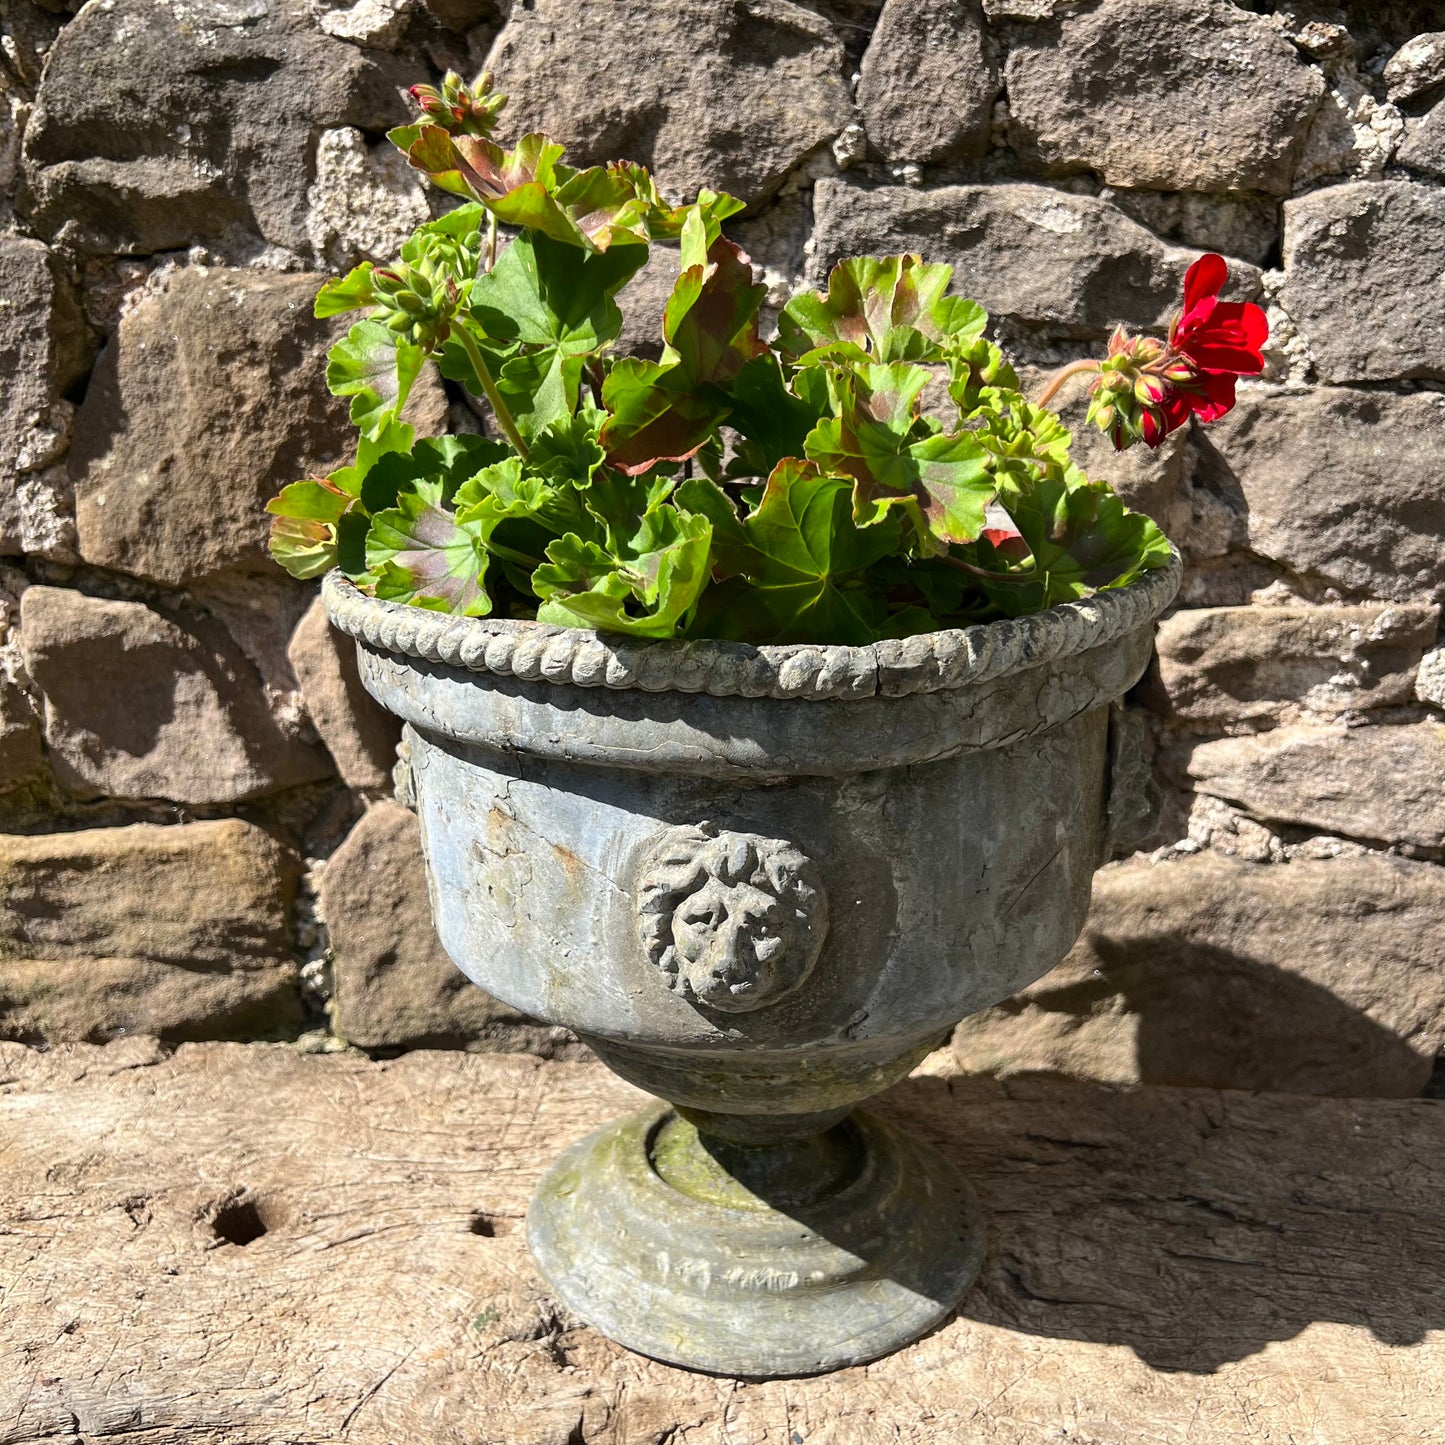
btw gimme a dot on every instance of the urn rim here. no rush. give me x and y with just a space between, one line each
927 662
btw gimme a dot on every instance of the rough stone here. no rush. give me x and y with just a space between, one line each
181 931
1269 1266
1417 67
44 350
211 397
223 101
138 705
20 753
1040 257
1124 91
643 301
364 202
1243 225
1317 977
1362 263
1423 148
1383 784
927 84
730 97
1352 134
1238 664
394 985
1430 680
1341 485
360 736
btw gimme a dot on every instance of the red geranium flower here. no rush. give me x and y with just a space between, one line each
1144 389
1211 343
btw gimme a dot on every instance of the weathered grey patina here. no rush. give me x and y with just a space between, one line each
761 883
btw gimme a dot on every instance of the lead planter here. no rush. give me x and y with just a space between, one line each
761 883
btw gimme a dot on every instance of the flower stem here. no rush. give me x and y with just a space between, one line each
491 242
1051 387
499 407
969 567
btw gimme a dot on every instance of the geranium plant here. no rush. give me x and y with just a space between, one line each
792 490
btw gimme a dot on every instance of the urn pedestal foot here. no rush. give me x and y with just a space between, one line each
761 1258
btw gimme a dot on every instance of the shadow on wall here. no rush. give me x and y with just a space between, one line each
1205 1017
1195 1228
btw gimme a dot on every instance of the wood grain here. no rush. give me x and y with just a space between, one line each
1167 1265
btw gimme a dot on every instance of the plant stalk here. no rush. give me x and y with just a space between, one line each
494 397
1052 385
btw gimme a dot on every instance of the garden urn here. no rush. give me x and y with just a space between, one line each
761 883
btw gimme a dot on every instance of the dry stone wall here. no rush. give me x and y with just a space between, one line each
197 835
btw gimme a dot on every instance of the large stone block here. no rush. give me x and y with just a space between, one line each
222 104
1170 95
1071 264
1384 784
1362 266
394 985
359 735
43 350
1237 664
209 399
1341 485
1423 148
927 83
1311 977
138 705
730 97
179 931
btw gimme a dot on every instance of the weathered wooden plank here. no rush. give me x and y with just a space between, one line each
1167 1265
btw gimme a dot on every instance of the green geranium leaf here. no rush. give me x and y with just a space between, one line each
1082 538
654 416
771 421
376 370
557 306
883 309
421 553
801 554
941 482
664 411
352 292
303 530
647 592
449 460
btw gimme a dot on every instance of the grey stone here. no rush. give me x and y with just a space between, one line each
138 705
44 350
1163 95
1318 977
1073 265
364 202
1384 783
601 853
1423 148
1352 134
360 737
927 84
1238 224
180 931
643 301
20 753
729 97
394 984
1341 485
223 103
1238 664
174 457
1361 266
1430 680
1417 67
